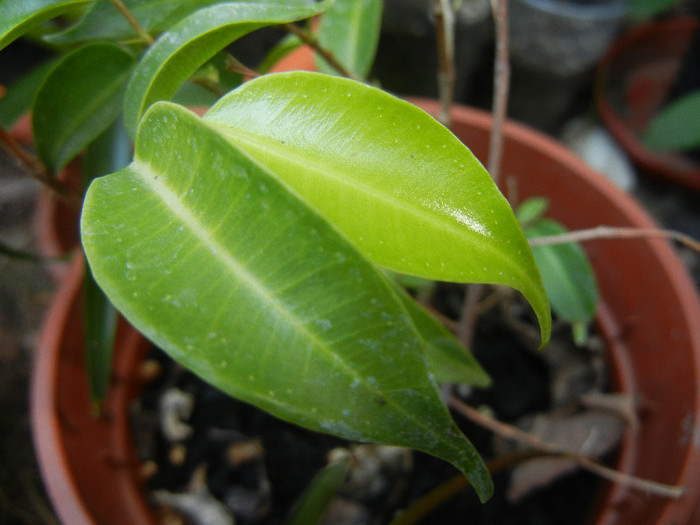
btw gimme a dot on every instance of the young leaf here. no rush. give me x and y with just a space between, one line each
71 109
212 258
19 16
180 51
350 31
403 188
567 275
676 127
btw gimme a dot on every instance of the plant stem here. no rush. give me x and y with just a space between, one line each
515 434
501 82
35 168
611 232
312 42
440 494
445 34
143 34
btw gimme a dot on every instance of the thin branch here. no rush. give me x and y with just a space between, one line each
236 66
445 34
440 494
612 232
501 82
143 34
514 433
37 170
311 41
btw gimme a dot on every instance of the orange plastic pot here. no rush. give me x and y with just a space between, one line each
632 83
649 316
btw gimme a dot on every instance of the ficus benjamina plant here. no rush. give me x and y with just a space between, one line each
256 244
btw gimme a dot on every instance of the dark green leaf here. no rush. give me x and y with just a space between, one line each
183 49
20 95
677 126
79 99
567 274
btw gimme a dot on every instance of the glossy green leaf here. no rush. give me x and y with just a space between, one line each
103 20
180 51
403 188
19 16
350 31
567 274
211 257
79 99
677 126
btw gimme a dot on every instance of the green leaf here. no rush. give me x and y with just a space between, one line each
212 258
677 126
447 358
179 52
639 10
79 99
401 186
108 152
320 492
350 31
19 16
531 210
20 95
103 20
567 274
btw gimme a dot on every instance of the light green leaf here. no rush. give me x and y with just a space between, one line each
403 188
677 126
19 16
179 52
213 259
350 31
79 99
531 211
567 274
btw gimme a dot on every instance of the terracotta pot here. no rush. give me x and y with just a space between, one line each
633 80
648 316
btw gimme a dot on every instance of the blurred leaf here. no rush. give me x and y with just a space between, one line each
567 275
110 151
19 16
20 95
428 207
350 31
180 51
79 99
219 264
646 9
677 126
320 492
531 210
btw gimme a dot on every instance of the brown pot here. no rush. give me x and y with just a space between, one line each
632 83
648 315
